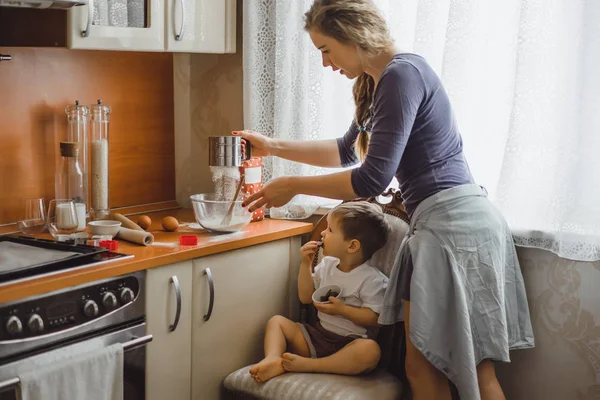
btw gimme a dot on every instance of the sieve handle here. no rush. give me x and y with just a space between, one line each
248 151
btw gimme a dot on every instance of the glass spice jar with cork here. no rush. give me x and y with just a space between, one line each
69 182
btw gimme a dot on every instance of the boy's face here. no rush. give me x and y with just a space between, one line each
334 244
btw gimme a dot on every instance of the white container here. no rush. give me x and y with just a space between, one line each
323 290
104 227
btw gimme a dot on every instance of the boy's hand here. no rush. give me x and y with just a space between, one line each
334 307
307 252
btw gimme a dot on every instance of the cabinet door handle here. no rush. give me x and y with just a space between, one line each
179 36
90 17
175 282
211 286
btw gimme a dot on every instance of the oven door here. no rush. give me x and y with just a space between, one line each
133 338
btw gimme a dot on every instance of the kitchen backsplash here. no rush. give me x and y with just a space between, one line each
208 102
39 83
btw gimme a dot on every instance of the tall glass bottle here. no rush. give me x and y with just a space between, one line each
77 133
70 184
99 161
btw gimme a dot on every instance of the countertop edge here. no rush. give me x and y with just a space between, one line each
19 290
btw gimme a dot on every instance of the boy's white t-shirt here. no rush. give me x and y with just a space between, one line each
364 286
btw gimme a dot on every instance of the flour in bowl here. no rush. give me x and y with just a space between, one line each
236 224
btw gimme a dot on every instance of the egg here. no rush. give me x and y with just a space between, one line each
170 224
144 222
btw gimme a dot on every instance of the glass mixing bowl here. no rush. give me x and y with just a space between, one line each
210 212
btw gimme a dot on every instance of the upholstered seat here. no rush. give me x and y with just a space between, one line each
384 383
299 386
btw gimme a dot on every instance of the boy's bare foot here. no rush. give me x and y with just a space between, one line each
268 368
295 363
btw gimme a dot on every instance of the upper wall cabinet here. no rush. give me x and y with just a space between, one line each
134 25
200 26
191 26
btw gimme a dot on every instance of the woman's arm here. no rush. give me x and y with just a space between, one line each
280 191
333 186
320 153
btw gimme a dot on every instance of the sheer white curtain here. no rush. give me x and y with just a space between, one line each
523 79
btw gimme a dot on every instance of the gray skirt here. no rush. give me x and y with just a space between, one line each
467 295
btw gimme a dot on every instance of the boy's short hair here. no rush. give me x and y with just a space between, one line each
364 222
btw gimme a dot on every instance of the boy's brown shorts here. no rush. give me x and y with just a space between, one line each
321 342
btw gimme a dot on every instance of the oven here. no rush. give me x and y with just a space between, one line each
71 321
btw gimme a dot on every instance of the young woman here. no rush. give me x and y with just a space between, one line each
457 282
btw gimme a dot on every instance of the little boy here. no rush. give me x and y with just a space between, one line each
338 342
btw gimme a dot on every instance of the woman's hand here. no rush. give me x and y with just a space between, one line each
335 306
261 144
276 193
307 252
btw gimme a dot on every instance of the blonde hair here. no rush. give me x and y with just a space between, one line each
364 222
356 22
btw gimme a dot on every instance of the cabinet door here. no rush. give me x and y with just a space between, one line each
134 25
250 286
168 357
200 26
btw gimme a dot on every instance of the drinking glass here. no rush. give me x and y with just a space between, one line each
62 217
35 217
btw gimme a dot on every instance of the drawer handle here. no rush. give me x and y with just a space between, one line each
175 282
179 36
211 286
90 17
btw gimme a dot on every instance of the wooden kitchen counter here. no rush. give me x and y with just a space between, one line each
157 255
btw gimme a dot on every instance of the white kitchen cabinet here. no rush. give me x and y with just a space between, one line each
168 356
191 26
200 26
250 285
82 33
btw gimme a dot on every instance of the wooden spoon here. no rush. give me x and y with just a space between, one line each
227 218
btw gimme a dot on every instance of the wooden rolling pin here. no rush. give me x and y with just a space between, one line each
133 236
126 222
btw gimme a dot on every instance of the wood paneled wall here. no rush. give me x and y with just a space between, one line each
35 88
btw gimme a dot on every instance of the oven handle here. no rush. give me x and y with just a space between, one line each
132 344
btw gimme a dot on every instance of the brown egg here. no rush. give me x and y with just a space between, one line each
170 224
144 222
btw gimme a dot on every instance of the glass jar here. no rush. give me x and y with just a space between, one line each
77 133
100 114
69 182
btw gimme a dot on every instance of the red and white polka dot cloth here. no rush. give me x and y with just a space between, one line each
252 169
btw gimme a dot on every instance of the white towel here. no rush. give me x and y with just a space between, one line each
96 375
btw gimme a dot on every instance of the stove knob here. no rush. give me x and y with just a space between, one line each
36 323
109 300
14 325
90 309
126 295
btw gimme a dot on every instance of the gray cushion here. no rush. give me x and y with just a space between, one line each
379 385
385 257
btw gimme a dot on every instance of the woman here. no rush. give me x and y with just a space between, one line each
456 282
